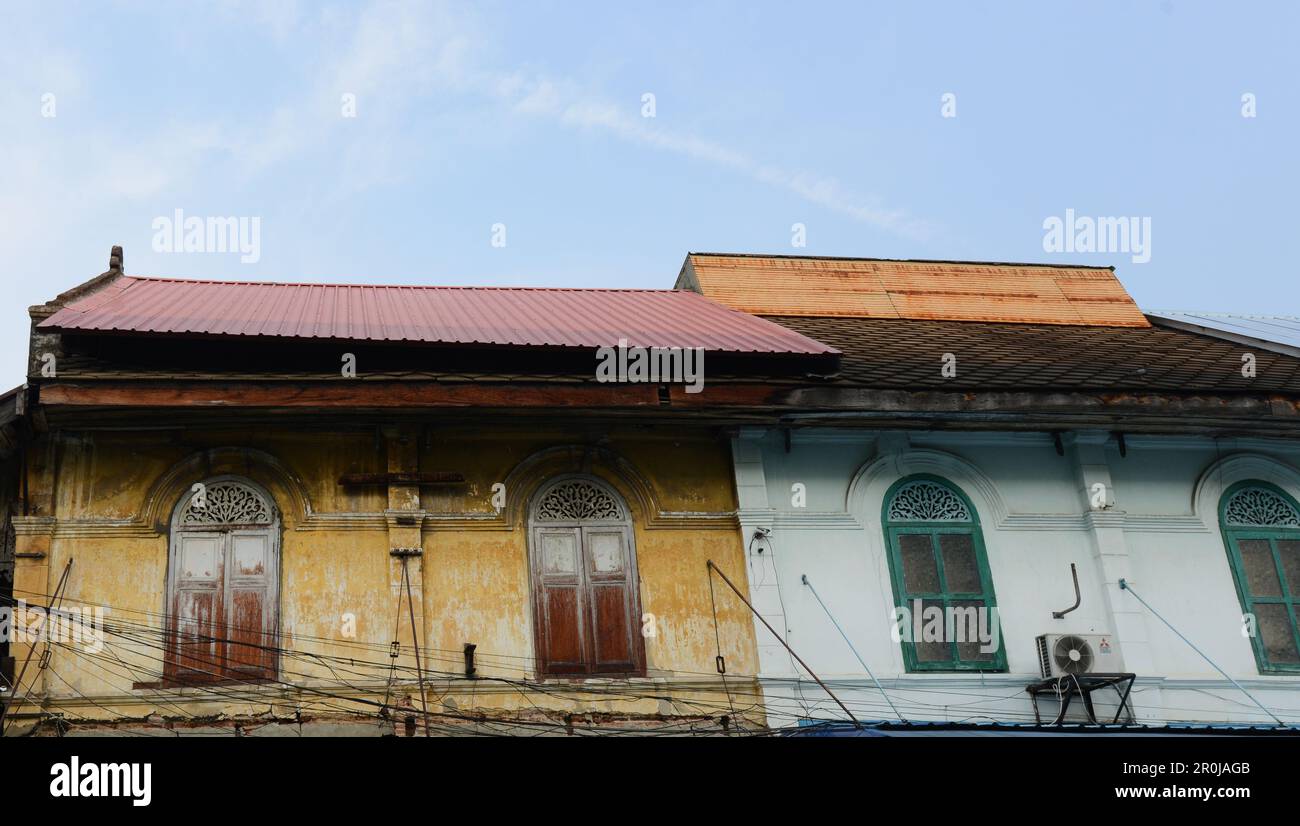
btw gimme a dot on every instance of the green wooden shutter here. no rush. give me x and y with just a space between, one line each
1261 530
937 563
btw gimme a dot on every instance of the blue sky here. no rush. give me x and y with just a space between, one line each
529 114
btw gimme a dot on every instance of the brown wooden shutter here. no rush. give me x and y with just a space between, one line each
583 562
611 599
223 574
197 650
561 609
249 622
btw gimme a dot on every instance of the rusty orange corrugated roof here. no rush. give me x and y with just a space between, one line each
939 290
509 316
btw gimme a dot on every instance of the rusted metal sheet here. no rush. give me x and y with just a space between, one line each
502 316
872 288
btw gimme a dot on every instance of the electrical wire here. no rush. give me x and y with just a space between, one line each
119 631
763 699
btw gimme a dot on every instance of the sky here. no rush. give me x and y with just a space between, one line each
594 144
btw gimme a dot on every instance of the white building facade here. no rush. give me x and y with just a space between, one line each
826 521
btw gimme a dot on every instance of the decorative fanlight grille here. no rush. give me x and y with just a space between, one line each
577 500
226 503
1257 507
923 501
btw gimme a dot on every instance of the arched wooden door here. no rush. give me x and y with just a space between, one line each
586 601
223 584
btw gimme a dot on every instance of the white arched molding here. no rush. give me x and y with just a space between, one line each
1239 467
866 492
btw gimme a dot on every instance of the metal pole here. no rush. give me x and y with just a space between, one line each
1124 586
781 640
4 708
865 667
415 638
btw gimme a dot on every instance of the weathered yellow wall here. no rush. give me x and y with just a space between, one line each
110 493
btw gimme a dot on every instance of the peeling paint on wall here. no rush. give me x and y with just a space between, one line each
471 585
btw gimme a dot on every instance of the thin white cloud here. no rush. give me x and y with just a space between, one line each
72 171
409 50
570 106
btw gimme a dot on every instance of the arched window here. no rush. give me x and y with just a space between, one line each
1261 527
941 579
586 605
223 583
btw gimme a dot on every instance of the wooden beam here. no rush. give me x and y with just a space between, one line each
341 394
434 478
1030 408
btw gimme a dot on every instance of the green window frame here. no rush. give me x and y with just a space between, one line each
927 513
1260 523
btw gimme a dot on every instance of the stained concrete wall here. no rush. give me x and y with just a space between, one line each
103 499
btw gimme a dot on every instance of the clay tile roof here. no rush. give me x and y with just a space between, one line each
506 316
908 354
947 290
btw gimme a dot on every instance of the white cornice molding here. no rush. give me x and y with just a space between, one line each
807 520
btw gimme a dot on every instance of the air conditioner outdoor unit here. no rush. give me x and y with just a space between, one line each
1062 654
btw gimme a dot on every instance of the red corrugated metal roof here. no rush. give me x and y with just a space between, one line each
522 317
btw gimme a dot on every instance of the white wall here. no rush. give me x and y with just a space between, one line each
1159 531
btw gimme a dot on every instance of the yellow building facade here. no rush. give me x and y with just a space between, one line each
103 502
